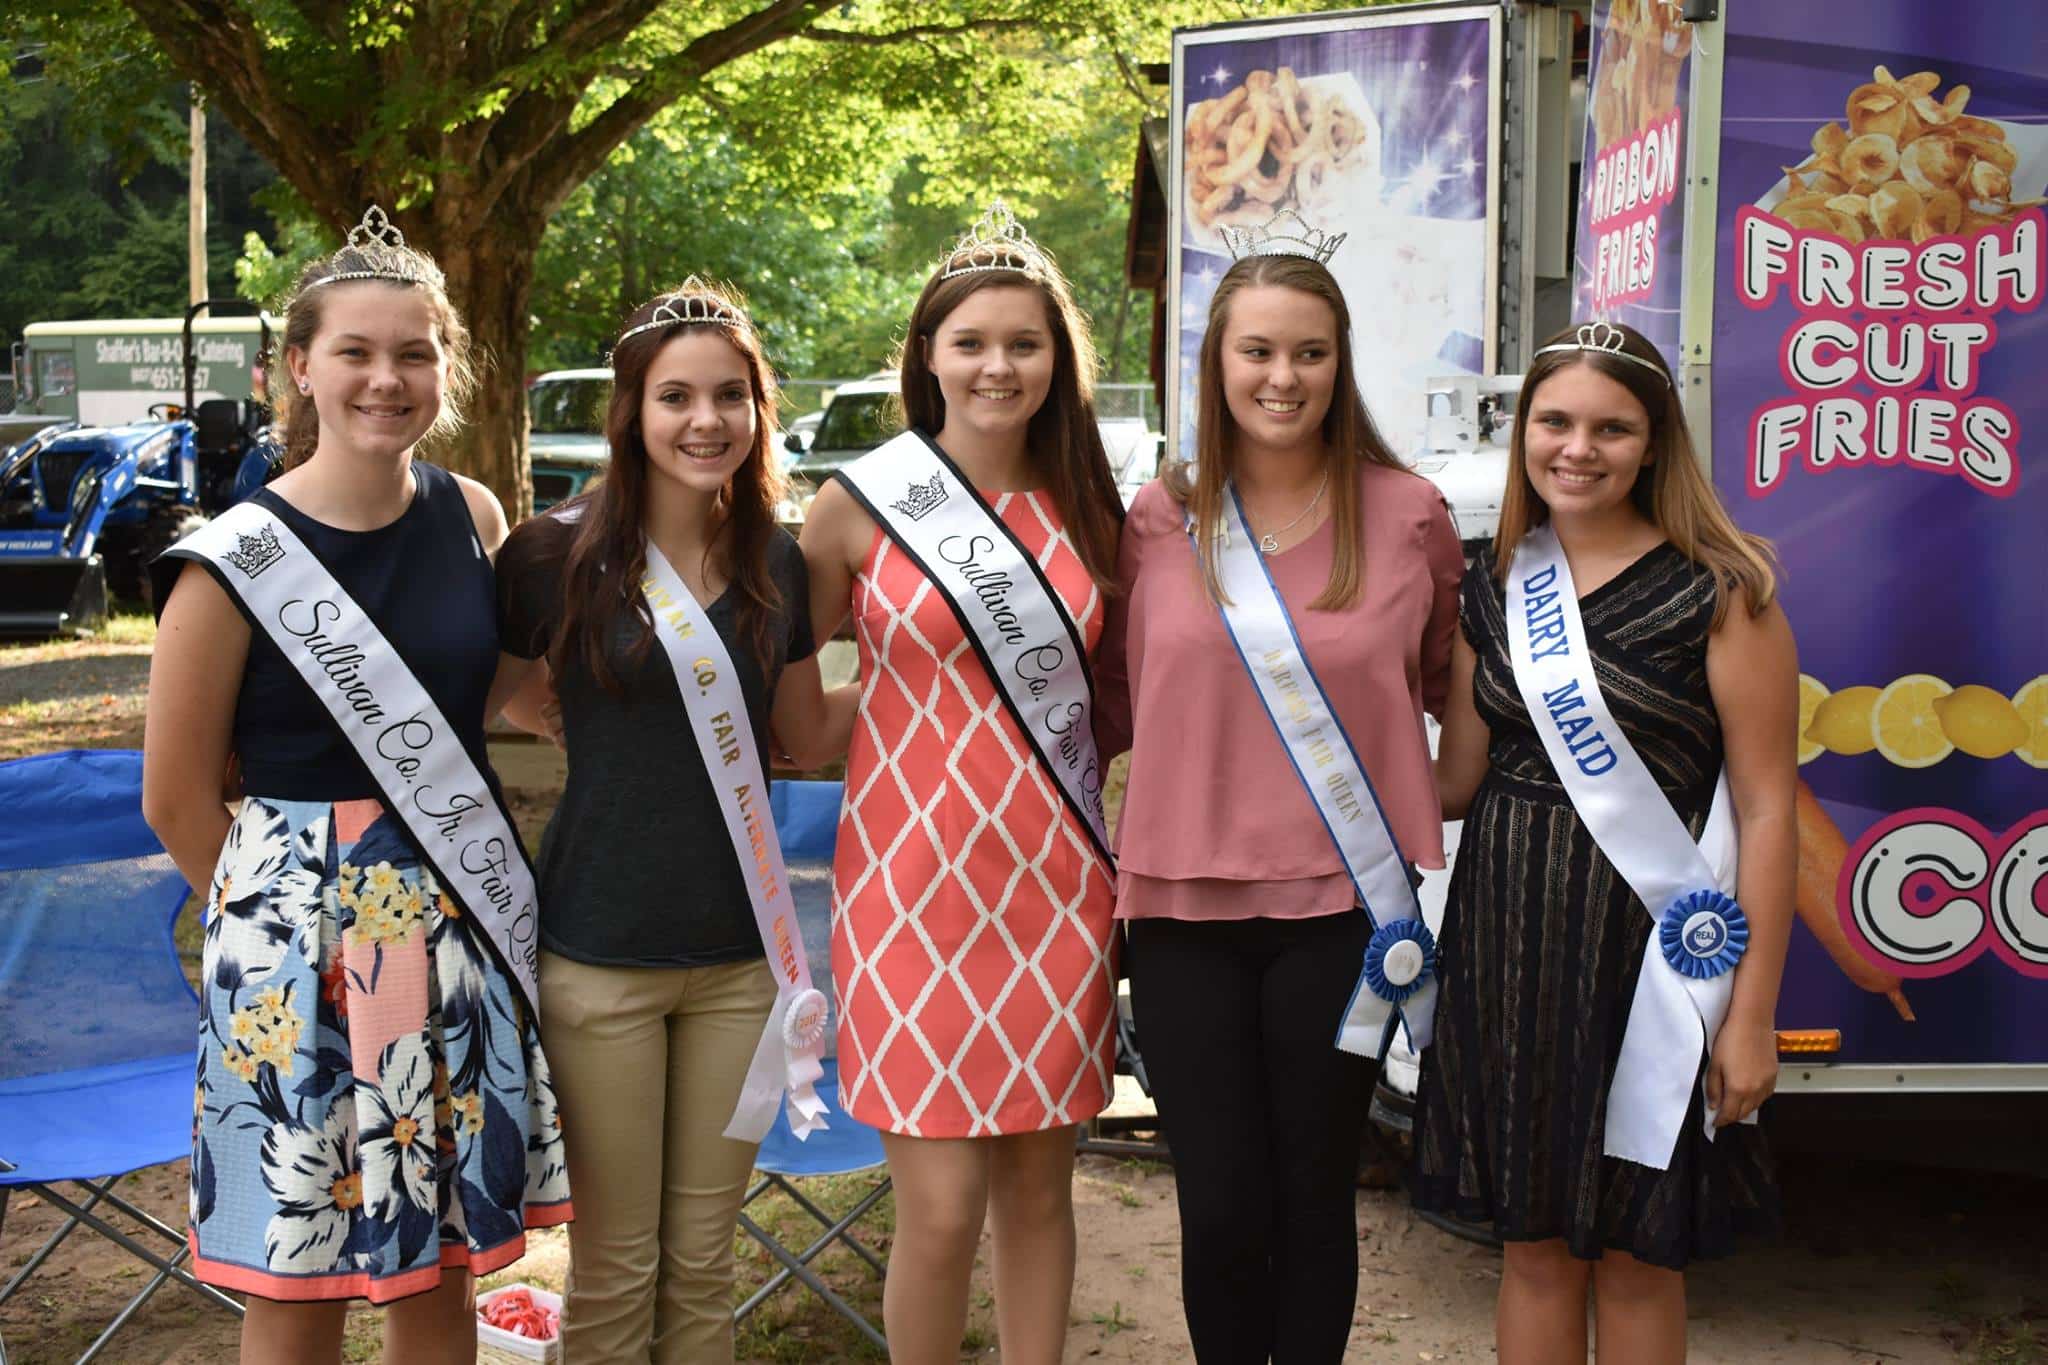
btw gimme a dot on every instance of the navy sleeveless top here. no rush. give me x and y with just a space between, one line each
426 583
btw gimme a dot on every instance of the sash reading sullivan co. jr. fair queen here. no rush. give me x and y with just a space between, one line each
786 1058
414 756
1399 977
1013 619
1683 992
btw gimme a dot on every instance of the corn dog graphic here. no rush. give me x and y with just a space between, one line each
1822 851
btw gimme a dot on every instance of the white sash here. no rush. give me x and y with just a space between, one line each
1013 618
414 757
1686 887
786 1058
1399 978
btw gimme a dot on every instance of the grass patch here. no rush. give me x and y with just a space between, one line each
128 628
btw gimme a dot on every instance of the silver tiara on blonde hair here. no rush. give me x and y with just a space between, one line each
1607 339
695 300
997 241
1270 238
376 250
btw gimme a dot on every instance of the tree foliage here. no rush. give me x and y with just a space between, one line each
790 122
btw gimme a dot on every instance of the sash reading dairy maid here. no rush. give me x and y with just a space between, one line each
1608 986
367 1046
971 893
673 617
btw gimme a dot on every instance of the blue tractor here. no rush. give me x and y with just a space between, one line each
84 509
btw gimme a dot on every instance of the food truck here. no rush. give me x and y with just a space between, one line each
1829 217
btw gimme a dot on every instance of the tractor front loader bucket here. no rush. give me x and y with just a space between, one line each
51 596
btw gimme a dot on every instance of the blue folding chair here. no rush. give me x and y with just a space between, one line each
98 1027
807 819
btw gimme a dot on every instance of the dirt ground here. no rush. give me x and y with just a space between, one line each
1880 1263
1864 1276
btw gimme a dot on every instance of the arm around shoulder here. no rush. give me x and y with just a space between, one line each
834 541
486 511
195 674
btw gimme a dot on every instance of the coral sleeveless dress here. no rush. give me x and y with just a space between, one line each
971 917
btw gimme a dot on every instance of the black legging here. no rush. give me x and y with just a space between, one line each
1237 1021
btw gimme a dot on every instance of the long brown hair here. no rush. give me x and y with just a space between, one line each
1349 436
1062 436
607 556
1670 491
298 422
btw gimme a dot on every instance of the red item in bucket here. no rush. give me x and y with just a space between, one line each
515 1311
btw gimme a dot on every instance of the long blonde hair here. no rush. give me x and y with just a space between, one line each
1348 431
1671 491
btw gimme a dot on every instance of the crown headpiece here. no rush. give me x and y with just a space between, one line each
1271 238
997 241
694 300
376 250
1607 339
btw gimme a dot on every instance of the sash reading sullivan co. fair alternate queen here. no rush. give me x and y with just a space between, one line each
786 1058
1399 977
427 779
1682 994
1014 620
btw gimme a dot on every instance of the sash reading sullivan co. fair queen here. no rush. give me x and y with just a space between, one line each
1682 994
786 1058
1399 977
1016 623
427 779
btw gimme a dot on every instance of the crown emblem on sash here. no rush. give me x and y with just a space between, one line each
921 498
253 554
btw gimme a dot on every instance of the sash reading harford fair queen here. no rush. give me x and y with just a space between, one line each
413 754
786 1058
1682 994
1014 620
1399 977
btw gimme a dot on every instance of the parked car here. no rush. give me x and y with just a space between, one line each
797 437
566 443
862 414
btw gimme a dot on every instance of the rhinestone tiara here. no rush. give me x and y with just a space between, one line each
1607 339
997 241
380 253
1271 239
695 300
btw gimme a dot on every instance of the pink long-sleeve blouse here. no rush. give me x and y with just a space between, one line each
1215 824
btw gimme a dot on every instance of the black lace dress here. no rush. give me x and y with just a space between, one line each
1542 944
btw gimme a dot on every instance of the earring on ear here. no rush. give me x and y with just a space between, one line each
305 387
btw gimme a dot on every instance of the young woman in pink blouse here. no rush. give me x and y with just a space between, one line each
1246 938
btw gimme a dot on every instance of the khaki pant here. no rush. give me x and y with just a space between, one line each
648 1064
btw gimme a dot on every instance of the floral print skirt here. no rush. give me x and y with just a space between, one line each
373 1104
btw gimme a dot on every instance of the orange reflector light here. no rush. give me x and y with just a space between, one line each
1809 1041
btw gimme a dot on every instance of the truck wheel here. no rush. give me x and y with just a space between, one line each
164 530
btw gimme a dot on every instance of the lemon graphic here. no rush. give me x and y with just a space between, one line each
2031 702
1981 722
1812 692
1908 732
1841 721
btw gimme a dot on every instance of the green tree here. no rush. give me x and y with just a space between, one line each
476 124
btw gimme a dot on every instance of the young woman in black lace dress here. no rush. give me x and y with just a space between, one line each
1543 940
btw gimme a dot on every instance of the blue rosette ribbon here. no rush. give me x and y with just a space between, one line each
1399 959
1703 934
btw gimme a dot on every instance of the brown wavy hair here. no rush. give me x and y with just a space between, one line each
297 428
1671 491
1349 436
1062 437
606 559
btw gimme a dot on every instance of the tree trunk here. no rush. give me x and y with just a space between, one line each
490 281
